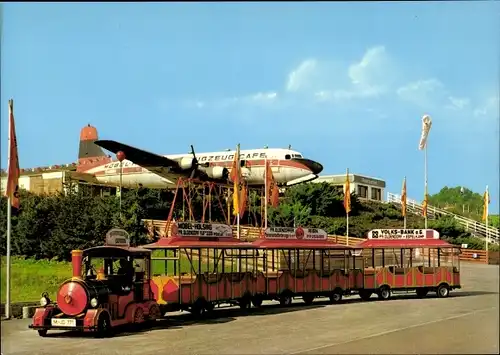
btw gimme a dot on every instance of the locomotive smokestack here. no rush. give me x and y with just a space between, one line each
76 261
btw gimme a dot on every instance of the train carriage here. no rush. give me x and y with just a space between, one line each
303 262
201 265
408 260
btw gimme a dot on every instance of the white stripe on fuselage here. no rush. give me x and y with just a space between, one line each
253 175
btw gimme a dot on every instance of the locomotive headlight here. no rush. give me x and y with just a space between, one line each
44 301
93 302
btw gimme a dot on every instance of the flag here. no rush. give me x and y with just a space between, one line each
275 196
347 193
272 187
486 202
235 177
426 127
244 198
12 190
403 198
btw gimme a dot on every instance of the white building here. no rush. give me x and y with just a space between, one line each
365 187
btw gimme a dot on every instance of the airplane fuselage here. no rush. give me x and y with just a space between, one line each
288 167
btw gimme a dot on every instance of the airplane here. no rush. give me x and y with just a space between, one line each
143 168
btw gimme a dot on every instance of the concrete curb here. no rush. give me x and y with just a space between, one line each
20 309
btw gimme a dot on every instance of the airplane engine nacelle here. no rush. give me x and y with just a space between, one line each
186 163
217 172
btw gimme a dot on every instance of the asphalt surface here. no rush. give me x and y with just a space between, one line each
467 322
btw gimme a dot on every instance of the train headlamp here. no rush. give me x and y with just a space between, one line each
94 302
44 301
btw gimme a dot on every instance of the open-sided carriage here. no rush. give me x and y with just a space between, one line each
202 265
110 287
407 260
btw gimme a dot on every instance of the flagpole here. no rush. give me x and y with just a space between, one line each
405 206
9 230
425 186
239 196
486 221
265 193
347 191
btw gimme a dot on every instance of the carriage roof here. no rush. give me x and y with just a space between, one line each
115 251
403 244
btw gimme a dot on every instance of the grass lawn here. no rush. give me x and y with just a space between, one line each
29 278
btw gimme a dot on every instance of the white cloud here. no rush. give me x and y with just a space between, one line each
423 93
300 77
490 108
458 103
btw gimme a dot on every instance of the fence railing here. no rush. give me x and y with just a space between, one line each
252 233
476 228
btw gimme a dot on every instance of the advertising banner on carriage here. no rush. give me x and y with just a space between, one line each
195 229
118 237
295 233
403 234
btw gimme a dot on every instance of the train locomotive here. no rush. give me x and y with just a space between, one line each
109 287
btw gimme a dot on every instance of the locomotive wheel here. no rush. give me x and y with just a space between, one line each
42 332
153 314
245 303
308 299
257 301
422 292
384 293
336 296
443 291
103 326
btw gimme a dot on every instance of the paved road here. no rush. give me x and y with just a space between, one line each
467 323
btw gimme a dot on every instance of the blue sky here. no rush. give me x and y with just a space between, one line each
343 83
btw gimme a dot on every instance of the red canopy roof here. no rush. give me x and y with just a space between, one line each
294 243
404 243
197 242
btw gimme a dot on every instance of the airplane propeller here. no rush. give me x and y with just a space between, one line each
195 163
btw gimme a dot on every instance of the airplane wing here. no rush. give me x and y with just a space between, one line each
150 161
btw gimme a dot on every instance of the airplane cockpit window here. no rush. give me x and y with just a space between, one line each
297 156
287 157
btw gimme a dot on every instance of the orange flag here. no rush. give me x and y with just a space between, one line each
12 190
272 187
347 193
244 198
486 202
235 177
403 198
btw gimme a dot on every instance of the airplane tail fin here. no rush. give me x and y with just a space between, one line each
90 155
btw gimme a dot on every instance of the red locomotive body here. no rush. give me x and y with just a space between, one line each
110 287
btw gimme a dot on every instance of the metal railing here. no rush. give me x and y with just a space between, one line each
474 227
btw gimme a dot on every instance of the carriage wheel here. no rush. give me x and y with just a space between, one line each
336 296
257 301
422 292
443 291
365 295
308 299
42 332
199 308
285 299
384 293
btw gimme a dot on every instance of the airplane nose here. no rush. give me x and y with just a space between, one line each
312 165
